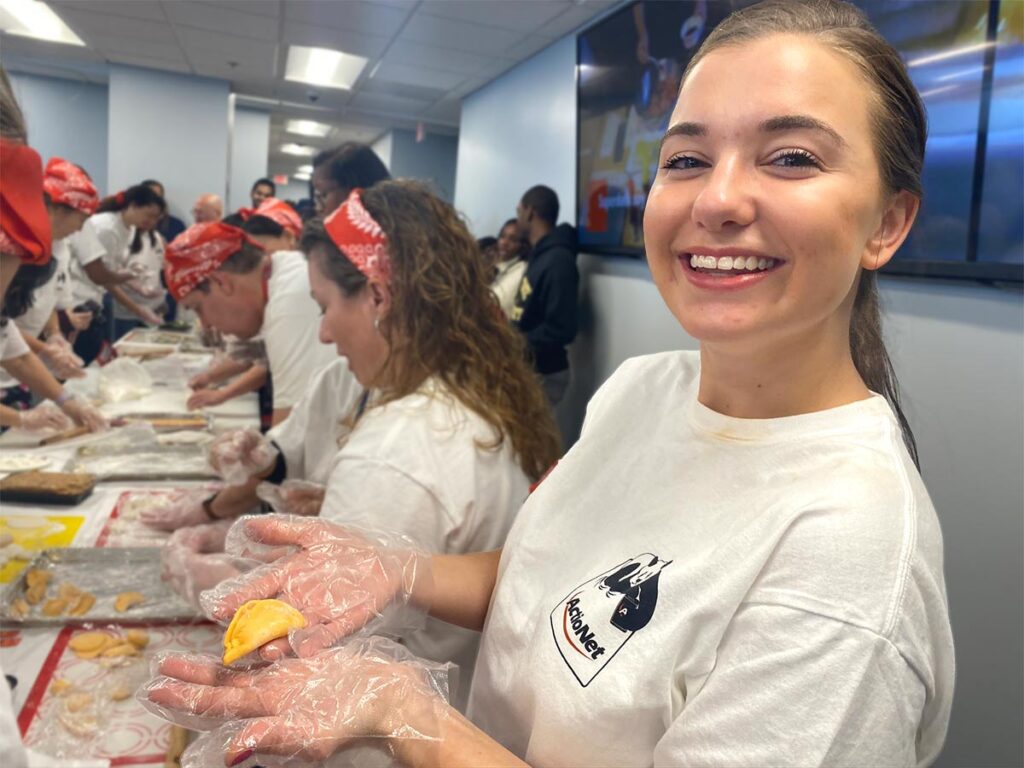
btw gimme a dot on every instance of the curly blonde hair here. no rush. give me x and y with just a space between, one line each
444 322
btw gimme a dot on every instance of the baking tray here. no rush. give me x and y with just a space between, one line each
150 462
44 497
105 573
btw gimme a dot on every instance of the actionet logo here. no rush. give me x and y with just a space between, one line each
594 621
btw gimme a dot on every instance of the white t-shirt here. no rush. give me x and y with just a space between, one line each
415 466
308 438
12 342
690 589
291 325
48 296
506 283
150 258
103 236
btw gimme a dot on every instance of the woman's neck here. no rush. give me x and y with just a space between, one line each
809 373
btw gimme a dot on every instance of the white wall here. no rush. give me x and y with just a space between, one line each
294 190
250 142
959 351
66 118
169 127
432 160
382 147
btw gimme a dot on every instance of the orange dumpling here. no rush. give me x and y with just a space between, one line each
257 623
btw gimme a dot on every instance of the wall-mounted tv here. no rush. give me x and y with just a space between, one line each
966 58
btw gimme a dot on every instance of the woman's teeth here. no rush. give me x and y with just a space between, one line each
730 263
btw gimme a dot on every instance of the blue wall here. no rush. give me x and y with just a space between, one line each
959 351
250 142
432 160
66 118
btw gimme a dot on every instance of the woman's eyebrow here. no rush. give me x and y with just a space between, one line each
771 125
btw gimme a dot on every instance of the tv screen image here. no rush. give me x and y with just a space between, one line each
970 73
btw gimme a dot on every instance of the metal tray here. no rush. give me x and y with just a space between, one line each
150 462
105 573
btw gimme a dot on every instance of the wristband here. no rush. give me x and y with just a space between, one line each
63 398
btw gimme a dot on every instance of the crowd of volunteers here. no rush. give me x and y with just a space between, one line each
736 564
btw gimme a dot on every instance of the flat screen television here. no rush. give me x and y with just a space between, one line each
966 58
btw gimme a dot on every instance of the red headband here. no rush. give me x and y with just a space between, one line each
360 238
68 185
24 223
278 212
198 251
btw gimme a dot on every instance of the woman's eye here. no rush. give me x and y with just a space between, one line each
683 163
795 158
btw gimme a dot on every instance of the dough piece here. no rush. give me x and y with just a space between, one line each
82 605
257 623
60 686
68 591
83 726
36 577
119 648
76 702
89 642
138 637
19 608
55 607
127 600
120 692
34 595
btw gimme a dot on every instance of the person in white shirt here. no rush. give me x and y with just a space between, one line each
738 563
236 287
144 258
98 249
511 266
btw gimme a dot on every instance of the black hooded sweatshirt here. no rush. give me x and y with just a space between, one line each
545 306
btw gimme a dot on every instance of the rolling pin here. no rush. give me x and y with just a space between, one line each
61 436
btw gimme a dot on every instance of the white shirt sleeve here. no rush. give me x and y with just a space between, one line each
12 342
292 365
790 687
86 245
363 492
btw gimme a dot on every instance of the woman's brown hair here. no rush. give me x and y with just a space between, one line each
900 131
444 322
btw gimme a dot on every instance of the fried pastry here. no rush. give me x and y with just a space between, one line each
257 623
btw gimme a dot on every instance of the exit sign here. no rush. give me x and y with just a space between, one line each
281 178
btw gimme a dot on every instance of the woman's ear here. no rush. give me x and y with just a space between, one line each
898 217
380 297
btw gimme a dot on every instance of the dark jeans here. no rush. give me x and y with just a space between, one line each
90 341
123 325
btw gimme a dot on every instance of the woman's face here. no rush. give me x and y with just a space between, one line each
347 322
509 242
65 221
768 198
327 195
144 217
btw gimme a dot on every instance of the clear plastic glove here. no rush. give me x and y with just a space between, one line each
204 398
301 709
293 497
149 317
44 416
85 414
193 559
66 364
177 510
340 579
240 454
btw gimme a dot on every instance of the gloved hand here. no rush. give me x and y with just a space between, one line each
204 398
193 559
293 497
85 414
149 317
240 454
203 379
339 579
66 364
177 510
44 416
301 709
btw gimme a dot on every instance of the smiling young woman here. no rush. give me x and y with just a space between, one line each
738 563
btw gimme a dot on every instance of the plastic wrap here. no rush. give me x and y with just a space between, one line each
124 379
178 509
45 416
135 453
293 497
66 364
343 581
240 454
301 710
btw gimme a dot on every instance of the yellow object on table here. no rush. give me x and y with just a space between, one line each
257 623
36 533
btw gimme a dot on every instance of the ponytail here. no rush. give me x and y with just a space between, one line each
871 358
140 196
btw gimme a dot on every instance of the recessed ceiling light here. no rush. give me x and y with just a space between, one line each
31 18
323 67
297 149
307 128
302 176
304 169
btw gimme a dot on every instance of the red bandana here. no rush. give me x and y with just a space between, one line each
198 251
24 223
278 212
360 238
68 185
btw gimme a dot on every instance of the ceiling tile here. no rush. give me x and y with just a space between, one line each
268 8
419 55
135 10
352 15
459 35
143 48
259 56
574 18
445 111
150 63
87 25
390 104
230 66
518 15
527 48
369 46
390 72
216 19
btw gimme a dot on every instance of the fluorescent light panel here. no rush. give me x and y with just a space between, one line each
32 18
302 176
307 128
304 169
300 150
323 67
